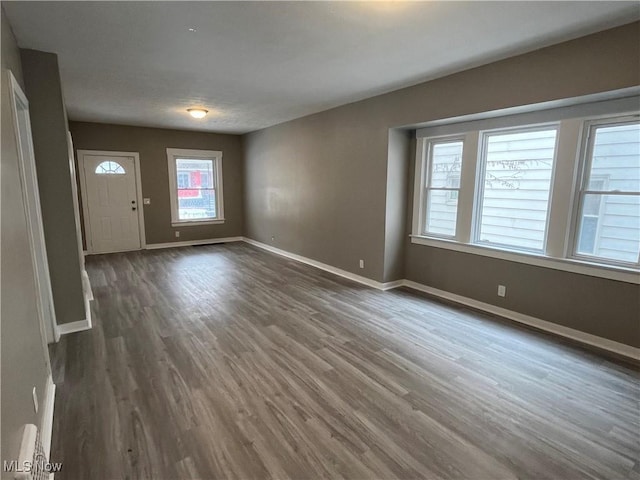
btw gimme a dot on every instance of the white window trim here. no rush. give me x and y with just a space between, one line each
584 166
593 269
480 184
427 160
565 186
216 157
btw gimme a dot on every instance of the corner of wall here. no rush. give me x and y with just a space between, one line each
49 127
398 160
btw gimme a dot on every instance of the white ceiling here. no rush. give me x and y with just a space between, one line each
256 64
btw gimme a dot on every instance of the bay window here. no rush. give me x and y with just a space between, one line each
561 191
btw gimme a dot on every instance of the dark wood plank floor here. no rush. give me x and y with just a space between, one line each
229 362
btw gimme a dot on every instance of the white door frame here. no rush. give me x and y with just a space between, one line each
31 196
76 200
83 193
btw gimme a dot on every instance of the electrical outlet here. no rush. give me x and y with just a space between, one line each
35 399
177 233
502 291
361 263
273 239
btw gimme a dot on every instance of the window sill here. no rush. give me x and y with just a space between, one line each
620 274
192 223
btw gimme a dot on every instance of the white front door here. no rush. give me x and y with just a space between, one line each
112 203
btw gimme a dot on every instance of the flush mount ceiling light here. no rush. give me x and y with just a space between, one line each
197 112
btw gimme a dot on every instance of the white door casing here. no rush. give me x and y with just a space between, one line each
76 200
111 201
33 213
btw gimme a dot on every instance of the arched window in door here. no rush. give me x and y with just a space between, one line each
110 168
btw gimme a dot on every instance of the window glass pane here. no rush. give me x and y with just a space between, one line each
517 181
183 179
616 157
196 204
196 195
441 212
110 168
609 227
446 159
194 173
444 172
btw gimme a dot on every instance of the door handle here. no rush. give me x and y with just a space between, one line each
133 208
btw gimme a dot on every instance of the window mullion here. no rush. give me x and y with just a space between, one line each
563 189
467 187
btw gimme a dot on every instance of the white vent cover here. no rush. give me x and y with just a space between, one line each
31 459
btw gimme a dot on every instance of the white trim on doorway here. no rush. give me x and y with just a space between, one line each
83 190
31 197
80 325
46 428
73 327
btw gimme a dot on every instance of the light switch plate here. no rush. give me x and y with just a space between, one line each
146 201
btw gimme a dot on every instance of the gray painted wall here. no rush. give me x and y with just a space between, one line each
49 128
318 185
24 357
399 153
152 144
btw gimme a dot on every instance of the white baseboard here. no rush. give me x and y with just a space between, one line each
190 243
325 267
80 325
73 327
391 285
86 285
87 309
46 428
582 337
